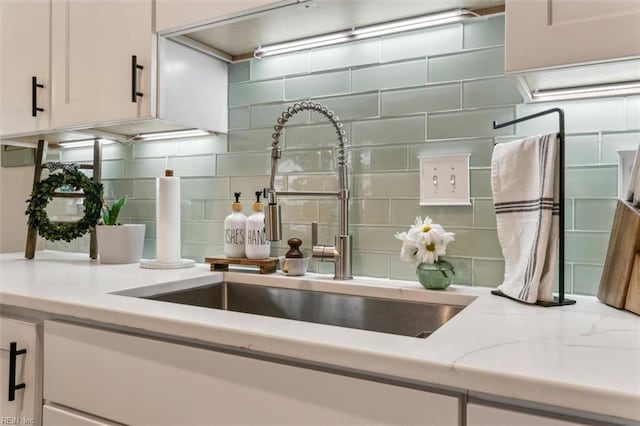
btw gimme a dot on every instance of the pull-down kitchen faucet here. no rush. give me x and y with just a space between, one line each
340 253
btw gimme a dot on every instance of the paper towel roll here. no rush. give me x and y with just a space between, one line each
168 219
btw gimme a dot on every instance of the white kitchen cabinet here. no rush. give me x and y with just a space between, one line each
147 381
552 33
24 54
58 416
92 46
481 415
176 14
20 404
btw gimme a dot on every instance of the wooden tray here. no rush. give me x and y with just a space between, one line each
221 263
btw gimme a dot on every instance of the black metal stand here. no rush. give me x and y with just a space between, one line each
560 299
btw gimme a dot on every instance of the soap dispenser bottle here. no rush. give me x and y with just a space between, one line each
256 244
234 230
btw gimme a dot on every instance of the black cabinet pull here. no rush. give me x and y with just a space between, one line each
13 354
34 100
134 78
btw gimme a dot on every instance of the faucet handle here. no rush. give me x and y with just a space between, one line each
314 234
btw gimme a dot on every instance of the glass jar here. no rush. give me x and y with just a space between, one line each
435 276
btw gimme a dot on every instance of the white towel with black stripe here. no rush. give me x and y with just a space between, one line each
524 180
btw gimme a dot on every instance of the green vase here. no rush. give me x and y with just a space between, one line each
435 276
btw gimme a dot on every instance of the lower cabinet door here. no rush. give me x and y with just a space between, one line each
143 381
481 415
57 416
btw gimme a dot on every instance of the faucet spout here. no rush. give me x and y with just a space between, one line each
341 252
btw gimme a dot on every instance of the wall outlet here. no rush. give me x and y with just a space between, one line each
444 180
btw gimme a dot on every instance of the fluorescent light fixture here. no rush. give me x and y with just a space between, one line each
612 89
369 31
171 134
83 142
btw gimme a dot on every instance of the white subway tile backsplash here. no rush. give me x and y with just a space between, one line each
402 74
345 55
614 142
256 92
484 32
418 44
325 84
464 65
281 65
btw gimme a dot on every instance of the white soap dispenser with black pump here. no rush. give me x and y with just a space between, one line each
256 244
234 230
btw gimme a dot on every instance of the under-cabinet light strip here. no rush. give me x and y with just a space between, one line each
172 134
615 89
376 30
83 142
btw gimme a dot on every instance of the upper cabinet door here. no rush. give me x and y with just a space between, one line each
176 14
24 54
561 32
92 46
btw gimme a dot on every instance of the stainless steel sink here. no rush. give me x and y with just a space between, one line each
416 319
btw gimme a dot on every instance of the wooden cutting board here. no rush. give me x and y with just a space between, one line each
624 244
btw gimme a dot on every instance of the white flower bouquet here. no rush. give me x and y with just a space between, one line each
424 242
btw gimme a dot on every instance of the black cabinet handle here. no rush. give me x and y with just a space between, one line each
34 100
13 354
134 78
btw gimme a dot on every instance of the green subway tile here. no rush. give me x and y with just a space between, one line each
369 211
139 209
581 150
422 43
485 214
256 92
404 213
586 279
471 242
161 148
250 140
213 144
488 273
391 184
480 183
144 188
145 168
465 124
280 65
490 92
480 150
349 107
239 118
239 71
462 267
149 249
325 84
632 110
117 151
317 135
405 129
403 74
213 250
76 154
194 251
345 55
318 160
586 247
202 231
370 264
219 209
149 228
203 188
580 116
594 215
460 66
373 238
113 169
266 115
313 182
191 209
114 189
612 143
193 166
241 164
568 214
400 270
425 99
299 210
484 32
378 158
592 182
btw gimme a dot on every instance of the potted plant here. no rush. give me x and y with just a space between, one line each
118 243
422 247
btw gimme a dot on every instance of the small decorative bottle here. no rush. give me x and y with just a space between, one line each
256 244
234 229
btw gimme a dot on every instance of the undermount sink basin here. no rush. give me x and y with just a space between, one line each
416 319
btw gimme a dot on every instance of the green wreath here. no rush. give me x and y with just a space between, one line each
42 194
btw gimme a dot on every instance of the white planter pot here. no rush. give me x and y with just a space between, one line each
120 243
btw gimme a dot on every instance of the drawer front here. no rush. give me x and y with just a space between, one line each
57 416
136 380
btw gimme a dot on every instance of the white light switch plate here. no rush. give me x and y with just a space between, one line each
444 180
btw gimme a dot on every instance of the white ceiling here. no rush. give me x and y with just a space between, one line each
241 36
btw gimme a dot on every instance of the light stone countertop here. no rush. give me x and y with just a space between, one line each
583 357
